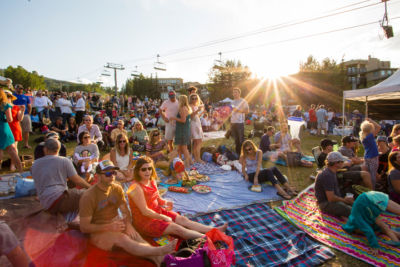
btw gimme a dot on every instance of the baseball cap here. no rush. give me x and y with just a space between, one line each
335 157
105 165
18 86
328 142
356 111
53 135
178 165
381 139
171 94
348 139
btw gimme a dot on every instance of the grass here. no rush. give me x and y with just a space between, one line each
298 177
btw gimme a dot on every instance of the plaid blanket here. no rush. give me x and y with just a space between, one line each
304 213
263 238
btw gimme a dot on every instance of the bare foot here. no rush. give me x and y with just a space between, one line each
200 161
12 168
169 248
223 228
157 260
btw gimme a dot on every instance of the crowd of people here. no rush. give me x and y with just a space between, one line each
169 134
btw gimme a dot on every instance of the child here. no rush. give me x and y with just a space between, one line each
177 169
364 217
85 154
370 129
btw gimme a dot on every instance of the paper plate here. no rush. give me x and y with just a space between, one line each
249 187
201 189
205 178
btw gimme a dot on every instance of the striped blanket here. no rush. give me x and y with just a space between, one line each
304 213
263 238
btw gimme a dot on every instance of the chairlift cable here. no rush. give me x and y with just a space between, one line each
259 31
277 42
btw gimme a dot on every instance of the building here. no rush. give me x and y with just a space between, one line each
167 84
361 71
202 89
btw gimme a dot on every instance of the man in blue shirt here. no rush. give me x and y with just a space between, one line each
26 124
269 150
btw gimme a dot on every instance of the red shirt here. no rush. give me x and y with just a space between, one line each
313 116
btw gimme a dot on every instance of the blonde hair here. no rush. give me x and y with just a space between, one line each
183 102
134 126
248 143
198 102
151 141
118 148
396 128
366 129
3 99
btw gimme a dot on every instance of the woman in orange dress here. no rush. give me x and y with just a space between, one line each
149 218
17 113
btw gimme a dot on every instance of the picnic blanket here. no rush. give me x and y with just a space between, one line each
282 162
263 238
229 190
213 135
304 213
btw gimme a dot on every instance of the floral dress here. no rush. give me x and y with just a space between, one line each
182 132
146 225
195 126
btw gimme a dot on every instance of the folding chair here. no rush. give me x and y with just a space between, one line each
257 132
316 151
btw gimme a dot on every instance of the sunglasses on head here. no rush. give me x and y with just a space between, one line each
146 169
123 141
109 174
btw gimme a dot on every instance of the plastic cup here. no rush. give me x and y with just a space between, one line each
120 217
349 195
168 207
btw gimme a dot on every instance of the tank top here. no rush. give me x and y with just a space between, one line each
251 165
122 162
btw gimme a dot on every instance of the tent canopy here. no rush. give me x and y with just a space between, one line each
388 89
227 100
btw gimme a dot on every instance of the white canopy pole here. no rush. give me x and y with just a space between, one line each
343 117
366 107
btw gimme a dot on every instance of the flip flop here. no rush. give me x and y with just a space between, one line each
284 196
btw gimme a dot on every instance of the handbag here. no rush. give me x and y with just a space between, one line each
228 134
207 157
139 148
219 257
188 257
231 155
24 188
293 159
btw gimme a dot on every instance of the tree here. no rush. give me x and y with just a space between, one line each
19 75
233 74
142 86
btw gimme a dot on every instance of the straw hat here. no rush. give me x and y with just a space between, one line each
46 121
8 93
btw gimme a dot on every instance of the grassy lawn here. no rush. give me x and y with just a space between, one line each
298 177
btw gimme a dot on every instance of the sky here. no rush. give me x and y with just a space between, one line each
76 38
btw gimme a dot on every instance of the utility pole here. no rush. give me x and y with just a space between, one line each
115 67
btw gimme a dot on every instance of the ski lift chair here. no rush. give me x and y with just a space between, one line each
105 73
257 132
135 73
159 66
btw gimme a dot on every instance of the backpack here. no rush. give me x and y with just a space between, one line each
293 159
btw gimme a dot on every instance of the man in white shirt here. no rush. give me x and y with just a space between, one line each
239 109
93 130
169 109
65 106
43 104
79 108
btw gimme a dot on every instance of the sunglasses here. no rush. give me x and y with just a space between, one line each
88 120
146 169
86 137
194 98
109 174
156 134
123 141
249 149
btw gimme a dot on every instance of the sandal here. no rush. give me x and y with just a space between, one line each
285 197
27 147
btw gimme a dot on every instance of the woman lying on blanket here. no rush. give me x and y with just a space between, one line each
251 158
364 218
150 218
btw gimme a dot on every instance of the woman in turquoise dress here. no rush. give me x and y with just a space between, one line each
7 141
182 132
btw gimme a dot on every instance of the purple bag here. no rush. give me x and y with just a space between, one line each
194 260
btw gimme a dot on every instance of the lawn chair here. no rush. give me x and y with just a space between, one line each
316 151
257 132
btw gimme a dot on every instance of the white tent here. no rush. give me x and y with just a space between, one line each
227 100
387 90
